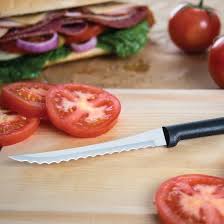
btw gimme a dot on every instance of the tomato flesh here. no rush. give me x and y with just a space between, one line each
11 47
92 31
81 110
26 98
15 128
191 199
193 29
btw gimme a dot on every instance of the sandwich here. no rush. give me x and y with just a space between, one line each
38 34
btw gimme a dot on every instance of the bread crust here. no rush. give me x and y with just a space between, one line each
21 7
78 56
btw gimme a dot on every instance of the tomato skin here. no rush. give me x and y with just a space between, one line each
1 102
80 128
92 31
194 29
25 107
21 134
11 47
167 216
216 62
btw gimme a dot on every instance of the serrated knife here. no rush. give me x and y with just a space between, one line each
166 136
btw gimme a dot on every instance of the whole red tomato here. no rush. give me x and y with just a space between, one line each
216 61
194 27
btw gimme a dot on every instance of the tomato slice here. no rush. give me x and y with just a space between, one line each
81 110
11 47
15 128
92 31
191 199
26 98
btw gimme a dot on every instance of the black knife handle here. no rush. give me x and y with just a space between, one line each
176 133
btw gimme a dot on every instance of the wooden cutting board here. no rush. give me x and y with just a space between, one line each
111 189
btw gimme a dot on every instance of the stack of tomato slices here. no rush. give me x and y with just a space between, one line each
78 110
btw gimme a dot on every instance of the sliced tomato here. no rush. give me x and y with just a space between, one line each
92 31
1 103
81 110
26 98
11 47
15 128
191 199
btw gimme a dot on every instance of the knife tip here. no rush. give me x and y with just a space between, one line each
21 158
15 158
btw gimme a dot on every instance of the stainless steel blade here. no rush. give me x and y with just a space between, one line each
144 140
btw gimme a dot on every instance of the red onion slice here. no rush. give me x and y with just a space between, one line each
85 46
73 27
40 47
72 14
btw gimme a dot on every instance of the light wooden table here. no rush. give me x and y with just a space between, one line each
113 189
160 65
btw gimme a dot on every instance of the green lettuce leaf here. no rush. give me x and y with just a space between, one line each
127 42
29 66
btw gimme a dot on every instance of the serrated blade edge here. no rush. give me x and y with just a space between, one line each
144 140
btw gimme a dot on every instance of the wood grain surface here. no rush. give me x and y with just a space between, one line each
111 189
159 65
